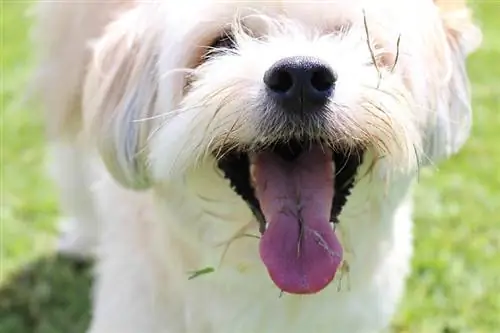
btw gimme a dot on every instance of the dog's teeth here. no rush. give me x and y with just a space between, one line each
252 173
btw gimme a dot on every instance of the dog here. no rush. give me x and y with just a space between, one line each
248 166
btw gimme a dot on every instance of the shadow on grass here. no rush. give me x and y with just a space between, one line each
51 295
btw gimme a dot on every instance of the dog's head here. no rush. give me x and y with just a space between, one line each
286 102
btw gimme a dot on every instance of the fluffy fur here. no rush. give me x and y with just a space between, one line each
134 110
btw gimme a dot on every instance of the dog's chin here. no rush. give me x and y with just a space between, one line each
296 191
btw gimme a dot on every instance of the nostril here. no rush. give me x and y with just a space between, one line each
322 80
280 81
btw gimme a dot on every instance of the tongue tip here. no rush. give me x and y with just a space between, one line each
309 287
302 276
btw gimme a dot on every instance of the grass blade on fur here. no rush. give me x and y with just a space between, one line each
200 272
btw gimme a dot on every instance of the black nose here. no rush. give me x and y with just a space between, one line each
299 83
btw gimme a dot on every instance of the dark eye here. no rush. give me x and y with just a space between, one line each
225 41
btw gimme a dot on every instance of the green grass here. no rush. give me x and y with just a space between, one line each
455 283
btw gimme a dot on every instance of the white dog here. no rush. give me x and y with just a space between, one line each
247 166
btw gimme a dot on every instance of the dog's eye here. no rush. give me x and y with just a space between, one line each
225 41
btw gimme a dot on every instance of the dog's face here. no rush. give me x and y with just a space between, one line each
286 102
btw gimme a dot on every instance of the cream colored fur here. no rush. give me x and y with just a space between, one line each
132 139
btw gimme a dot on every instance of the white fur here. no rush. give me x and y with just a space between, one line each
165 210
79 227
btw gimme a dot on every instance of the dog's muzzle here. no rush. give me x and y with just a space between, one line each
297 185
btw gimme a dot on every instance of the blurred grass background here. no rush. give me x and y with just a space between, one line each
455 286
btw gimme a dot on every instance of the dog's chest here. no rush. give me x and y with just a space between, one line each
243 299
238 296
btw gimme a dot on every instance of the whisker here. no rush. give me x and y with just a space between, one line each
397 54
372 54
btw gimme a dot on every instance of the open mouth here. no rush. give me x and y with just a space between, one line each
296 191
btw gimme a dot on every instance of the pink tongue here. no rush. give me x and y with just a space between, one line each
299 247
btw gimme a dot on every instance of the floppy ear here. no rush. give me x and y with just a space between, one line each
453 118
120 96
